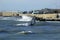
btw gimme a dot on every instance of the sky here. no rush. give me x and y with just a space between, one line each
26 5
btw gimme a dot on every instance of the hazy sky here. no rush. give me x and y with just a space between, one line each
14 5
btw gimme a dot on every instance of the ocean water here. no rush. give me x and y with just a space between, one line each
40 31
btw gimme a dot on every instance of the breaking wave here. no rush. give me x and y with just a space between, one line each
20 18
27 20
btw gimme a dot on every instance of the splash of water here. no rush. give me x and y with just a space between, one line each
26 19
22 18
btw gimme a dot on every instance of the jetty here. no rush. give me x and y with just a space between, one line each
41 16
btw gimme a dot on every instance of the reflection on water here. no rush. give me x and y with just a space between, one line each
41 31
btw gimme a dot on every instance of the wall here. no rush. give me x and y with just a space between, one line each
9 14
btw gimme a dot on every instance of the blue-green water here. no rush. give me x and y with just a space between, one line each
41 31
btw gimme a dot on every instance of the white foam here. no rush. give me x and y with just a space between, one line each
24 24
24 32
29 20
25 18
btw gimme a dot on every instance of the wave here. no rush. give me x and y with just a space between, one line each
20 18
24 24
9 18
25 32
25 18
